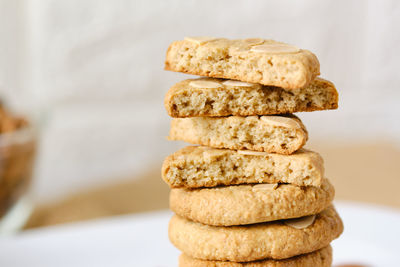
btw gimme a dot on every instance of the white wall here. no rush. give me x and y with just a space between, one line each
93 70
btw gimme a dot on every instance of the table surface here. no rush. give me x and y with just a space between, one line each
370 238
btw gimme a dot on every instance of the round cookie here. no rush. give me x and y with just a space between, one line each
319 258
248 204
274 240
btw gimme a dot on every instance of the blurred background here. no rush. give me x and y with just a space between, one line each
90 74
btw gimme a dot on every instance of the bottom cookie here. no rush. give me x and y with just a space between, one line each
319 258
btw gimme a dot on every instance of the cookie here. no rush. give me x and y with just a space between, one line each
276 134
249 204
207 97
250 60
201 166
275 240
319 258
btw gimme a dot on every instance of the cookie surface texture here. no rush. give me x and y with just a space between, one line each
200 166
273 240
319 258
274 134
249 204
217 97
260 61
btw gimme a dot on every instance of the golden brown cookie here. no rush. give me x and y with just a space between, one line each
208 97
319 258
201 166
250 60
249 204
275 240
274 134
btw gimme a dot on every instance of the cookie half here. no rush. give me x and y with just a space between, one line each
274 134
201 166
275 240
216 97
319 258
250 60
249 204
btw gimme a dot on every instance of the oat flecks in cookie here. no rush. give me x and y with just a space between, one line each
204 84
237 83
254 41
275 49
300 223
281 121
200 39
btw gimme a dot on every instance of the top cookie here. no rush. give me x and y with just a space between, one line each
249 60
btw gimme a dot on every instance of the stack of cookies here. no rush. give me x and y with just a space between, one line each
249 195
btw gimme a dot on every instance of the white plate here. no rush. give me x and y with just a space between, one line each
371 237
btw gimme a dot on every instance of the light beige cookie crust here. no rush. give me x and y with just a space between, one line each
274 134
319 258
249 204
248 60
274 240
200 166
186 100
